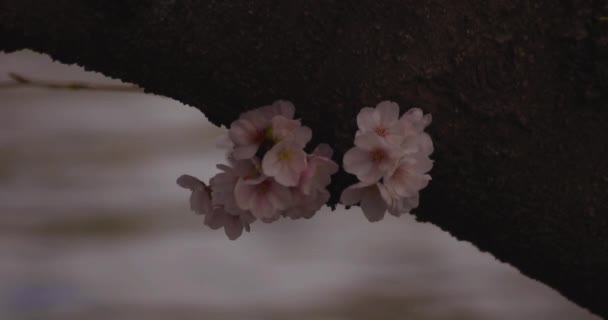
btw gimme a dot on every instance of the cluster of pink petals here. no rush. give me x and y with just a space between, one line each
391 160
269 175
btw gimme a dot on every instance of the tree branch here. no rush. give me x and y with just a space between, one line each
517 89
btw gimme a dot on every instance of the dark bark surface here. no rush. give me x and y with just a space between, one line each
518 91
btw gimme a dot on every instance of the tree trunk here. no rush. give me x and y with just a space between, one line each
518 91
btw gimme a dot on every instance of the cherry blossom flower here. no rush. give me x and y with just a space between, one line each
396 204
409 177
368 196
200 199
285 162
382 120
391 160
306 205
371 157
269 175
223 184
317 174
415 120
233 224
265 199
287 129
249 131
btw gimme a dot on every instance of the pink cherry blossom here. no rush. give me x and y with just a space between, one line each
265 199
200 199
287 129
233 224
249 131
410 176
397 205
323 150
415 120
317 174
262 116
382 120
368 196
305 206
371 158
246 137
224 183
285 162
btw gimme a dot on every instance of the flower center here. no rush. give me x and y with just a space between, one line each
377 155
380 131
283 155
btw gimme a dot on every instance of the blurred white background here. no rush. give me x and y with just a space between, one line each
93 226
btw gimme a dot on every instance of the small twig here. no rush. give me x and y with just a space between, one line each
22 81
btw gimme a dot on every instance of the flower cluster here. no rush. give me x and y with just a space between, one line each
269 174
390 158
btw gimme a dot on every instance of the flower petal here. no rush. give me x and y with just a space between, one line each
357 161
189 182
388 112
323 150
373 205
368 119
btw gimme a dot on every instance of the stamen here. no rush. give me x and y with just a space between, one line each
380 131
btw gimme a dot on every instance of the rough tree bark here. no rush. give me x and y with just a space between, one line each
517 89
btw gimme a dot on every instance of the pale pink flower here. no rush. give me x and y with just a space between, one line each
323 150
382 120
371 158
233 224
305 206
317 174
285 161
415 120
200 199
265 199
223 184
262 116
368 196
246 137
249 131
409 176
287 129
396 204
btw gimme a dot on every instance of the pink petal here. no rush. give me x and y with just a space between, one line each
261 208
353 194
279 196
233 228
245 152
215 220
189 182
373 205
403 205
302 136
323 150
388 111
243 132
200 201
357 161
243 194
368 119
285 171
370 141
284 108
